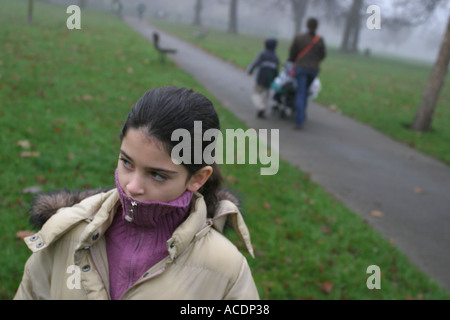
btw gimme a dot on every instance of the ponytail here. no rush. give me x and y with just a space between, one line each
210 190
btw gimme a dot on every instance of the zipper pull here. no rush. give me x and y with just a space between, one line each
129 216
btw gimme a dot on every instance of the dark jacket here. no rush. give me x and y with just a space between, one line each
314 56
268 63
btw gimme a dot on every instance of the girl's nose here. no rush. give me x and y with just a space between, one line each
135 187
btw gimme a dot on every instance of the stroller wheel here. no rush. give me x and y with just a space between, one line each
275 109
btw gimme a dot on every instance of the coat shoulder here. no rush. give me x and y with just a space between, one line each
216 253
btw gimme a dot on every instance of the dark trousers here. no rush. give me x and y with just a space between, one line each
304 78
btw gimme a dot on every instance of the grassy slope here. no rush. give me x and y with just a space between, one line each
68 93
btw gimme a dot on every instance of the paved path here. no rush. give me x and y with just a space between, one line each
359 166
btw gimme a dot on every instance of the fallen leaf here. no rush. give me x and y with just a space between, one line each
60 121
24 144
327 286
325 229
40 178
418 190
278 220
376 213
333 107
87 97
27 154
24 233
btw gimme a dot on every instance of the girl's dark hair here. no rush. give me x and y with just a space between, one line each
161 111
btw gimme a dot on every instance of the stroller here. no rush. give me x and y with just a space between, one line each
284 89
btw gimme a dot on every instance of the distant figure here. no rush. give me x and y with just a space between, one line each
141 9
306 52
267 63
117 8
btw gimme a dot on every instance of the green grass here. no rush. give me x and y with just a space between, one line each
380 91
68 93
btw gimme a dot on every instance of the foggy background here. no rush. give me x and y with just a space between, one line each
274 18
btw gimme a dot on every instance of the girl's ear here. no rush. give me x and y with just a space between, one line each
199 178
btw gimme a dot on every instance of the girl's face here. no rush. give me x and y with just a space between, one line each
146 171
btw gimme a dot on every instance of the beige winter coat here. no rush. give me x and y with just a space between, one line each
69 256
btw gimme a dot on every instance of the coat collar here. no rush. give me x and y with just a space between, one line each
98 211
95 207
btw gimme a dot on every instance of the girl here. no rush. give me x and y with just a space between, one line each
157 234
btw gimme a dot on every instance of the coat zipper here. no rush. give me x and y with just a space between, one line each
129 216
133 259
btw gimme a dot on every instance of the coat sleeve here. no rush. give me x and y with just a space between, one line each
254 64
244 287
24 292
35 284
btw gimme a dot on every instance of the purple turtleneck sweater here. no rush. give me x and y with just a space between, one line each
135 246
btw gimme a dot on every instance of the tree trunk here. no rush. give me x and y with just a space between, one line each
299 10
197 13
356 31
352 26
232 21
424 115
30 11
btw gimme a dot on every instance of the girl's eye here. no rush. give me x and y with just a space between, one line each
158 177
126 163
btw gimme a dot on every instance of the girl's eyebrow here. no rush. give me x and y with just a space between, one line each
149 168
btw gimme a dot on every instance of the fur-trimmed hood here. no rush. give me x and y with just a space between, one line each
47 204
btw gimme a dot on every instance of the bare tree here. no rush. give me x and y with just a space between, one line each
233 20
30 11
411 13
198 13
350 38
299 8
405 14
424 115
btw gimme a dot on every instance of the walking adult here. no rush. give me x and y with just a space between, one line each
307 51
